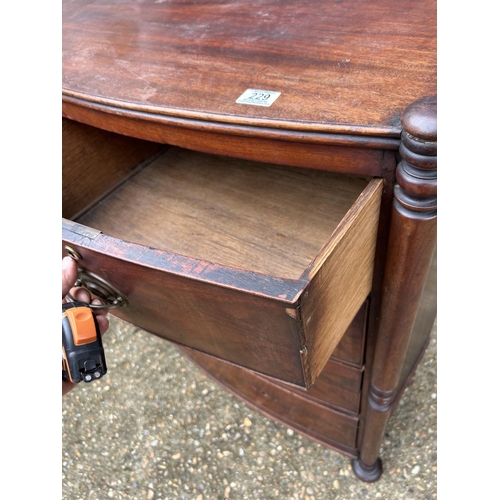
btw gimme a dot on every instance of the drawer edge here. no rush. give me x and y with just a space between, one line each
281 289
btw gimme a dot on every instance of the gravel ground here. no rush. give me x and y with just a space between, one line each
157 427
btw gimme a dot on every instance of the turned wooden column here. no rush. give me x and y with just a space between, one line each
412 241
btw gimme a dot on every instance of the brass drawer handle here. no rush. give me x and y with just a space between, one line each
72 253
100 288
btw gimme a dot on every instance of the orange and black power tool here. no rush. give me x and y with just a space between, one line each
82 349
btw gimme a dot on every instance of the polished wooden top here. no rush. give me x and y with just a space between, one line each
342 67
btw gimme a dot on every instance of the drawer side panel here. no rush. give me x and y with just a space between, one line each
95 161
341 281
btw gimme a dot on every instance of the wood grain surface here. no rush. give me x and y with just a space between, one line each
361 155
410 252
197 304
424 321
338 387
351 348
255 264
257 217
341 279
95 161
341 67
215 254
292 408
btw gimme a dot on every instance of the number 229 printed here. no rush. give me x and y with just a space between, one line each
258 97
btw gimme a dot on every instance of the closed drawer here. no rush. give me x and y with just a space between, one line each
338 386
281 402
351 348
256 264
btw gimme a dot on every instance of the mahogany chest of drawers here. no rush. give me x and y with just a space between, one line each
258 185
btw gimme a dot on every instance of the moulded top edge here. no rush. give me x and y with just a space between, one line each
319 132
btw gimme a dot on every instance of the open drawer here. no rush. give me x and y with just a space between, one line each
260 265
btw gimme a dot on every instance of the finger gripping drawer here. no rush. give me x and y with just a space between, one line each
257 264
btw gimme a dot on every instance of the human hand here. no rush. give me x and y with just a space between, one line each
69 277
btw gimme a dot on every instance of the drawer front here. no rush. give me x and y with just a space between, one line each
227 321
351 348
338 386
282 403
283 327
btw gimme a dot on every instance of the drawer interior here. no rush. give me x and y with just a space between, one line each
260 265
258 217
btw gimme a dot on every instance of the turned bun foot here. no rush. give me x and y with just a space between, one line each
367 473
